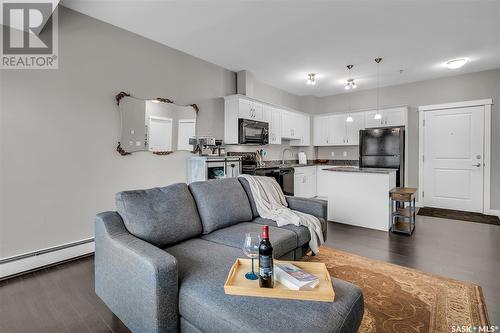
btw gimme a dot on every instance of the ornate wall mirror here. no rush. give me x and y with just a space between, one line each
156 125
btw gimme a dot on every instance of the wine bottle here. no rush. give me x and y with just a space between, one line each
266 278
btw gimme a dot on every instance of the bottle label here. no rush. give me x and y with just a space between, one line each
265 267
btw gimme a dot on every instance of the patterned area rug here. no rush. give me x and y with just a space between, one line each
400 299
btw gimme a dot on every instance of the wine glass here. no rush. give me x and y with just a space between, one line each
251 249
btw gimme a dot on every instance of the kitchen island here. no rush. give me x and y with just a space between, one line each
357 196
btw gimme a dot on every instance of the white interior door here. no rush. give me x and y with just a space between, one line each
160 134
187 130
453 158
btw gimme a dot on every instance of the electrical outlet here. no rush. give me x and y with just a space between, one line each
345 154
333 154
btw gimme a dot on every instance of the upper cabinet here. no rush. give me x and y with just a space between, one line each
303 127
389 117
248 109
321 131
352 128
335 130
272 115
283 124
290 122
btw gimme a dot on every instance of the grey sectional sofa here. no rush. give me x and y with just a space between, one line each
162 259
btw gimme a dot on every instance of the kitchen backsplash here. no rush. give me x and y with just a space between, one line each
339 153
274 152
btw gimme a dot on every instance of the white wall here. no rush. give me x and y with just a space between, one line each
60 127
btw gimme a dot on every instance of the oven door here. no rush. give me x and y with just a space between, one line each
253 132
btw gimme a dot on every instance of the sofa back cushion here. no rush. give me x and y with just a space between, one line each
221 203
246 186
160 216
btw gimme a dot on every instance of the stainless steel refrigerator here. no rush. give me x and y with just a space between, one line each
383 148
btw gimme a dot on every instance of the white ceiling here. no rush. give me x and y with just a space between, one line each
281 41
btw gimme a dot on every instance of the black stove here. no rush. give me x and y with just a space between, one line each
249 166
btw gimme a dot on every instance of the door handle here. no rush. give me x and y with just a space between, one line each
477 165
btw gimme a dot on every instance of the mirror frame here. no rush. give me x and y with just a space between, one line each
123 94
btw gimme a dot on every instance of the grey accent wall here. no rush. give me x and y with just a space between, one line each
465 87
60 128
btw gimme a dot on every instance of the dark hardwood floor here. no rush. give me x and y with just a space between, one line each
62 298
460 250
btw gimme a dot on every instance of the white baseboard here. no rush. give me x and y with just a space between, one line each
495 212
45 257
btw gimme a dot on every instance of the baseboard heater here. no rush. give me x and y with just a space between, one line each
31 261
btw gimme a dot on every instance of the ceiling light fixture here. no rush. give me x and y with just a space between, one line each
350 82
311 79
378 116
456 63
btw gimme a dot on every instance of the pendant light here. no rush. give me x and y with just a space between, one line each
349 118
378 116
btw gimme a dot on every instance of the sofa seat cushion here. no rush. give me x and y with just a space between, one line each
221 203
203 267
282 240
303 235
160 216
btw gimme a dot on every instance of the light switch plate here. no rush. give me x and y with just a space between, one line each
138 143
345 154
333 154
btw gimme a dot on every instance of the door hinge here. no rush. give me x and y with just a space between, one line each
424 123
423 158
423 194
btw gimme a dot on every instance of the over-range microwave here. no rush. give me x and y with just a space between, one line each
251 132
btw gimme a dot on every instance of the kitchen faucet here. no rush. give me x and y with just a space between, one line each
283 155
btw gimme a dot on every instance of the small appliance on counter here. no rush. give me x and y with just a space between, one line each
201 168
207 146
302 158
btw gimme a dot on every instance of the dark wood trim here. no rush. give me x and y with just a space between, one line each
120 95
162 152
120 150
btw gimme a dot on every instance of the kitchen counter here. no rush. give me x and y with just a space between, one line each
357 196
361 170
294 164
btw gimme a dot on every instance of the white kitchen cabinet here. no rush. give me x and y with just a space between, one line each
321 182
395 117
289 125
305 182
389 117
302 130
353 128
320 131
337 134
272 115
248 109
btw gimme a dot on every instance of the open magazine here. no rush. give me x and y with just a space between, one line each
293 277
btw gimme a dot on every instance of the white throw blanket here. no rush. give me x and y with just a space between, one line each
271 204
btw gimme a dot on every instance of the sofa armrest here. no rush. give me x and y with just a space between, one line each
315 207
137 280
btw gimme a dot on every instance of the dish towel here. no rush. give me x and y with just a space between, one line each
271 204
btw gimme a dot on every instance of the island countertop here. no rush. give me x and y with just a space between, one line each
361 170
